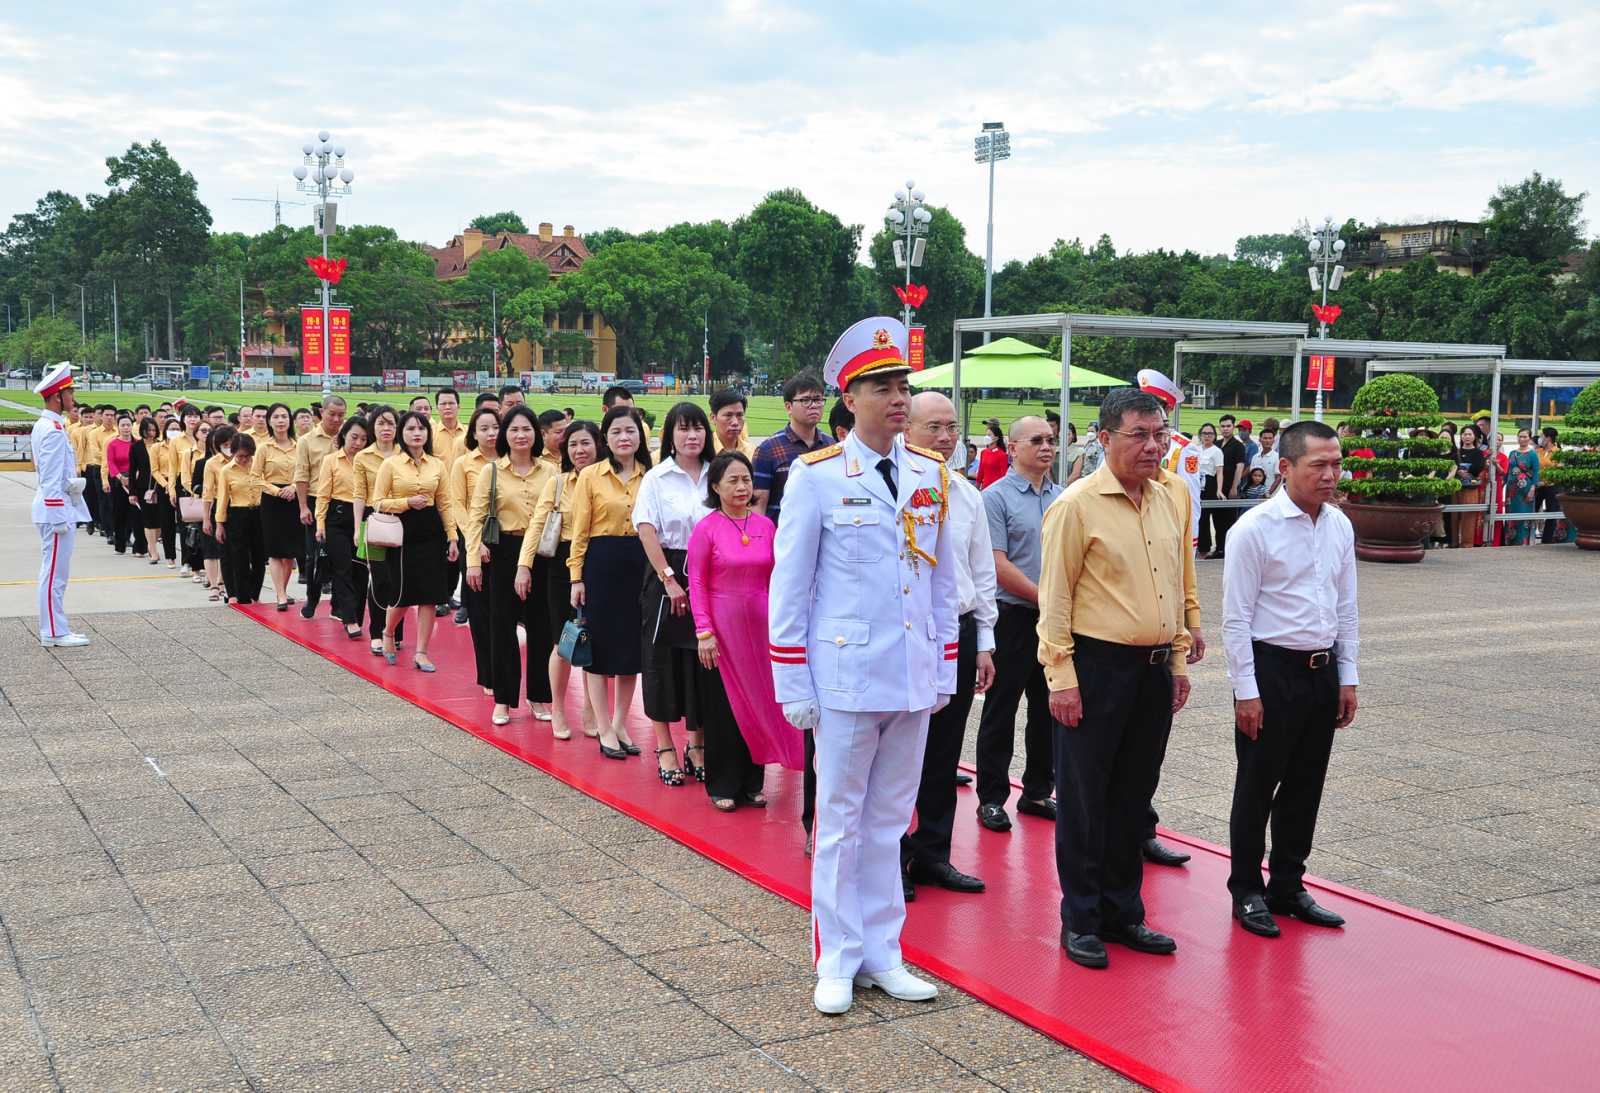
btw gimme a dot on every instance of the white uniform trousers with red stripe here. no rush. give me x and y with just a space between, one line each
55 563
868 769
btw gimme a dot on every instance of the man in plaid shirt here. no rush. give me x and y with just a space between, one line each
802 398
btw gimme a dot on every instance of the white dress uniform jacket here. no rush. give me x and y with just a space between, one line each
58 509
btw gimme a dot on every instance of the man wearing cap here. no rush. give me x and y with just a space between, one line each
864 646
58 505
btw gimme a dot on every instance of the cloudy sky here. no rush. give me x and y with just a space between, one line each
1161 124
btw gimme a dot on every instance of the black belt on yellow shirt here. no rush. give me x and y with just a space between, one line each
1148 654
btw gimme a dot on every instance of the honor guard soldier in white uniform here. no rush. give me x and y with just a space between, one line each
58 506
864 641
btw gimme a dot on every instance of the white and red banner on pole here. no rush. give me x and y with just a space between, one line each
917 350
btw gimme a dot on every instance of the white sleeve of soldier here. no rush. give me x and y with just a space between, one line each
794 573
52 462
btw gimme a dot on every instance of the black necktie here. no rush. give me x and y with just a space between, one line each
886 468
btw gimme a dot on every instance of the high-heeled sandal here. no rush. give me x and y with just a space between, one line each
724 804
670 776
697 773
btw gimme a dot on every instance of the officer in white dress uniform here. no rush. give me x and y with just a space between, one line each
58 506
864 641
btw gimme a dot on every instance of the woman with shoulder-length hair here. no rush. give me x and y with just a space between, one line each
412 485
580 447
207 473
385 422
478 451
239 490
509 492
335 490
281 533
607 566
671 502
144 483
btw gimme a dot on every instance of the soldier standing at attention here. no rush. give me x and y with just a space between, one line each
58 506
864 645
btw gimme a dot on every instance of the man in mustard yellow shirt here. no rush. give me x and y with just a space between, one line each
449 434
309 452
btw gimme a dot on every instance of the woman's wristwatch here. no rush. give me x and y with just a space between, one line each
666 574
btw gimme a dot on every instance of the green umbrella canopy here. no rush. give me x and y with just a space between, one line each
1009 362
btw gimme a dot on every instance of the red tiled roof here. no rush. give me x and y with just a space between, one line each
562 254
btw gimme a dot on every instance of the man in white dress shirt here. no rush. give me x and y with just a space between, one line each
1290 628
58 506
862 627
925 852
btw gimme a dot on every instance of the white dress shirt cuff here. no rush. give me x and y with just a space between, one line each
985 639
1245 688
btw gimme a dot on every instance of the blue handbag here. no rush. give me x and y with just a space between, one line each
574 647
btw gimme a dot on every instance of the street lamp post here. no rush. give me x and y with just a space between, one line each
1326 248
328 177
993 144
908 217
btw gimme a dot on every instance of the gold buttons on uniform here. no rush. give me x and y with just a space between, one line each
908 626
905 590
839 640
858 521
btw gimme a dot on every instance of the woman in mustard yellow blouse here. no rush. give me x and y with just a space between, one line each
607 566
385 422
185 451
334 488
239 490
515 480
580 447
412 485
479 438
208 469
281 534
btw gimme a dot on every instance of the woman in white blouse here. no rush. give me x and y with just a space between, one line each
671 501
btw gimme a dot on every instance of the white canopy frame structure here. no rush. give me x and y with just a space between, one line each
1576 380
1496 367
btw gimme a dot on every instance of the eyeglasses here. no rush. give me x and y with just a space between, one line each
809 400
937 429
1142 437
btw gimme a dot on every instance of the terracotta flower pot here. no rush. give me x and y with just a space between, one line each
1583 509
1390 531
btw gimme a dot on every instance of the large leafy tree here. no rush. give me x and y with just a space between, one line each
49 338
495 223
1535 219
210 314
796 261
493 279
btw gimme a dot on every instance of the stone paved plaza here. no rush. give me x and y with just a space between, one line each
227 864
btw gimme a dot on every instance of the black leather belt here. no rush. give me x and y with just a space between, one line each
1150 654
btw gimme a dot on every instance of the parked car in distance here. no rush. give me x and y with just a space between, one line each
633 387
102 377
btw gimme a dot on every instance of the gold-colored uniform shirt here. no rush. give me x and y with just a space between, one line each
208 477
602 504
309 452
1114 571
366 472
335 481
99 437
745 446
402 478
566 483
160 465
516 497
183 452
275 464
238 488
463 476
449 444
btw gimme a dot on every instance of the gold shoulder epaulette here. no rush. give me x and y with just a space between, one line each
822 453
929 452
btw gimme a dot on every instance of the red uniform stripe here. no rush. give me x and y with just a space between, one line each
50 587
785 648
788 660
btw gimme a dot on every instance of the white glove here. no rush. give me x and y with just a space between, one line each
61 529
802 715
75 487
940 703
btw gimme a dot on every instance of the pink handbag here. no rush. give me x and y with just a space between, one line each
191 510
384 529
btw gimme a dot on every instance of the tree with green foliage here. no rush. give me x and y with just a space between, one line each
210 311
495 223
46 340
796 262
494 278
952 274
1535 219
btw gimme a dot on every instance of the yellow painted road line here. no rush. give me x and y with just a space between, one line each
168 576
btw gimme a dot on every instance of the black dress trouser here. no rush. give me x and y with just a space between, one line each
1282 770
311 552
506 610
477 605
246 552
936 795
1017 673
1107 767
730 772
339 543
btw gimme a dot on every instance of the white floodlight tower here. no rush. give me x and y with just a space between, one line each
993 144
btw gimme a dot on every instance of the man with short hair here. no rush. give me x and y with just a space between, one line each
309 452
841 421
486 398
1232 479
1266 460
1014 508
215 416
727 423
616 395
925 851
449 433
802 398
569 413
552 430
99 438
1116 574
57 505
1291 631
511 395
258 428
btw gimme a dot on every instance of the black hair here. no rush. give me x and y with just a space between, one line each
1551 432
1227 417
510 389
145 406
233 418
443 391
502 446
355 421
642 456
684 413
550 417
800 383
274 408
123 415
721 400
483 397
400 433
262 406
412 401
219 436
1203 427
470 441
569 413
1123 401
574 427
840 416
154 428
719 467
1292 442
244 442
189 408
613 393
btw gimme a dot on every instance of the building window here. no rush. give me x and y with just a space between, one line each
1416 239
588 320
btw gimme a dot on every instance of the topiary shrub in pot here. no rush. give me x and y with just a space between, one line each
1400 486
1577 469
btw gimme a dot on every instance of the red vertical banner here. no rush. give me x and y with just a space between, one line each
917 351
1313 373
1327 373
311 340
339 341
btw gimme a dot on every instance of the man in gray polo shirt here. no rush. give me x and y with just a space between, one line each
1015 507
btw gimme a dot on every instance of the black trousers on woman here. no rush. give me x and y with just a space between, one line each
477 605
167 521
730 772
246 552
340 544
125 521
506 610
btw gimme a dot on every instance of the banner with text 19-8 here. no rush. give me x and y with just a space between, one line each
1319 374
917 351
311 340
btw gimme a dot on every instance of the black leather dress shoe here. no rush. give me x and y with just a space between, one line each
944 875
1158 853
1253 915
1084 950
994 817
1304 908
907 889
308 611
1045 809
963 779
1141 938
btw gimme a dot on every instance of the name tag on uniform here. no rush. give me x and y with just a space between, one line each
855 501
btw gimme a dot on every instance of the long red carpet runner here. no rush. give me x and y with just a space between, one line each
1397 1000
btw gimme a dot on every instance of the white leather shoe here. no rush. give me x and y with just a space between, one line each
833 995
898 983
67 641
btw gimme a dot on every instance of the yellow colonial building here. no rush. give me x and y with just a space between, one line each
1456 245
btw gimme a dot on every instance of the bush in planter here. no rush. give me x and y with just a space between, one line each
1398 402
1577 468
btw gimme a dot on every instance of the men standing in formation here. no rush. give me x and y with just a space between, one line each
58 506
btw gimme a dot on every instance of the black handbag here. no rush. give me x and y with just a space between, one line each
574 646
491 523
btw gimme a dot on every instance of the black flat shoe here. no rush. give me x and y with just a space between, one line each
1084 950
353 635
963 779
1045 809
1142 939
1253 915
944 875
283 607
1306 909
994 817
631 749
1158 853
613 753
907 888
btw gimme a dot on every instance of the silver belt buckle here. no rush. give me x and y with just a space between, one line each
1161 655
1318 660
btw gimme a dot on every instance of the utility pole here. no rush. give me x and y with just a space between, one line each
116 333
324 162
241 322
1326 249
994 143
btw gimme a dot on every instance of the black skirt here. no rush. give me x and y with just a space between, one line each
613 575
150 511
419 568
670 652
281 531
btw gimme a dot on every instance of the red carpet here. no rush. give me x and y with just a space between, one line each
1397 1000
